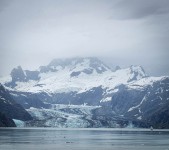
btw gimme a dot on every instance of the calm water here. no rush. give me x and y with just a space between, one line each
83 139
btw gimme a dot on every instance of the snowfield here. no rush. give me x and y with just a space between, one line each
61 80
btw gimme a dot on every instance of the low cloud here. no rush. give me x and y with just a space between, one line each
122 32
136 9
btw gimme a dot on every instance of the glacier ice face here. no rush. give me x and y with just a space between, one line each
19 123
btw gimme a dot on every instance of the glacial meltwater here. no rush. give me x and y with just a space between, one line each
83 139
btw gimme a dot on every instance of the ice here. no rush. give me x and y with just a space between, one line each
19 123
58 116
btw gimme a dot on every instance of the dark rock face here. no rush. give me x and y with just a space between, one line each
144 104
91 97
44 69
17 74
124 99
32 75
77 73
136 72
28 100
10 108
5 121
74 74
159 119
117 68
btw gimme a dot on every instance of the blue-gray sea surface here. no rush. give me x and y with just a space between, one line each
83 139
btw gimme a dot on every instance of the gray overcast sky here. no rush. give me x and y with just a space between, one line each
120 32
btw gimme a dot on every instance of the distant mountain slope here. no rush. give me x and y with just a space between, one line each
127 93
10 108
143 101
160 118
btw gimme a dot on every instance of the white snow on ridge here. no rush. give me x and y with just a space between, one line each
144 82
61 81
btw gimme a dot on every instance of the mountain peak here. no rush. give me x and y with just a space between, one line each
88 65
77 64
137 72
73 61
18 74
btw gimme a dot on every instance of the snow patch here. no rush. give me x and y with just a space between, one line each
2 98
14 94
107 99
139 118
135 107
160 98
24 95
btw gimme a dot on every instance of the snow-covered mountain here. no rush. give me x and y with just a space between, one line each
127 93
77 74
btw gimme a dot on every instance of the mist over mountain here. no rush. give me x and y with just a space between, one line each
119 32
